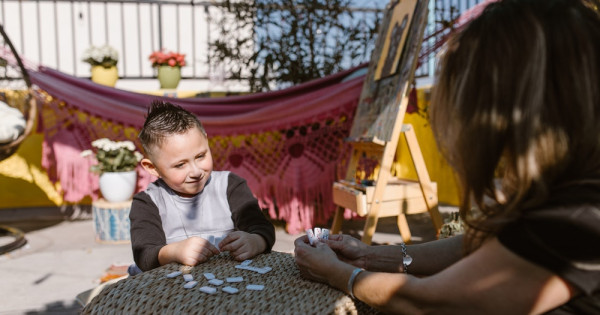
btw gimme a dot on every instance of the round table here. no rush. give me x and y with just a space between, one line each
285 291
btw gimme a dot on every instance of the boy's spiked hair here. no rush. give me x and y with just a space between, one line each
165 119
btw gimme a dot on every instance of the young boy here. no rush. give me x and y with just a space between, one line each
191 212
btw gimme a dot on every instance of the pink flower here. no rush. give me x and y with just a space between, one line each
164 58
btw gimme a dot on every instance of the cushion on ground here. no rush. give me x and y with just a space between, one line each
12 123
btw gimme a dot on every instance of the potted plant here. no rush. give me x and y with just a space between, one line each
169 66
117 161
103 60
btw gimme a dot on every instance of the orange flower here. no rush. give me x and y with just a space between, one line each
164 58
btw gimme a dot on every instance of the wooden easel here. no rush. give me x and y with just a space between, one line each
390 196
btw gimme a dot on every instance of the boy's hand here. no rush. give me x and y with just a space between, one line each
242 245
190 252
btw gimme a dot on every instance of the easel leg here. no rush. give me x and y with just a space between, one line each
403 228
369 228
429 195
436 217
336 227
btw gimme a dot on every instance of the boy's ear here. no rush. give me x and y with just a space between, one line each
149 167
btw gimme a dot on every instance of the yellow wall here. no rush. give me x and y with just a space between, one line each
23 181
439 170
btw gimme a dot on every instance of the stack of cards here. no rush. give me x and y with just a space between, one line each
317 234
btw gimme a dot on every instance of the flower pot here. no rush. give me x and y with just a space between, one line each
169 76
118 186
105 76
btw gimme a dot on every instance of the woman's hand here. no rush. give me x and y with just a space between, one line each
349 249
315 263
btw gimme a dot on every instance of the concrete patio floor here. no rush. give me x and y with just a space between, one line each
61 258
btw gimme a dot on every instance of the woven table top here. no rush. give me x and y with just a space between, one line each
285 291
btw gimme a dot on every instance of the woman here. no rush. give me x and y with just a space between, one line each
517 99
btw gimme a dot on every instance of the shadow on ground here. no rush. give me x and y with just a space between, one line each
58 308
37 218
16 223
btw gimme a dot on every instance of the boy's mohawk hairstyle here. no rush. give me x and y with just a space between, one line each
164 119
166 111
157 107
169 118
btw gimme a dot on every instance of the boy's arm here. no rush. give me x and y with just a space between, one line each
147 235
245 212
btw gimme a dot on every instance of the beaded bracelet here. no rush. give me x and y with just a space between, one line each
355 273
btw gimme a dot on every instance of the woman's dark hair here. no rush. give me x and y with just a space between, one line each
516 107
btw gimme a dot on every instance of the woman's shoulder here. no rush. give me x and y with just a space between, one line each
558 224
586 214
561 239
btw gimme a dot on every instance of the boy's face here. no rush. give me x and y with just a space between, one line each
183 162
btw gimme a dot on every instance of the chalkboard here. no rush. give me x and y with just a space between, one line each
392 66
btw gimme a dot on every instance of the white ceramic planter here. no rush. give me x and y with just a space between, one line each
118 186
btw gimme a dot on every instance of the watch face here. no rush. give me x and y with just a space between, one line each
407 260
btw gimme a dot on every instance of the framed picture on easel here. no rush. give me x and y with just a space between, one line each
395 36
392 67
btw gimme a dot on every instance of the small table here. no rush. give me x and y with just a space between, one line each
111 221
285 292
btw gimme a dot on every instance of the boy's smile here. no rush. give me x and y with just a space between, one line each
183 162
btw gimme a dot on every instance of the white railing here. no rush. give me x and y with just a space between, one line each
55 33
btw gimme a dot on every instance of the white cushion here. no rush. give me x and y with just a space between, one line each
12 123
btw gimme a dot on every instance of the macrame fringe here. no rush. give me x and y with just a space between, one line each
288 145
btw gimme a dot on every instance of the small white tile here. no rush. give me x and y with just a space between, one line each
209 276
215 282
191 284
209 290
324 234
230 290
255 287
174 274
311 236
317 233
265 269
235 279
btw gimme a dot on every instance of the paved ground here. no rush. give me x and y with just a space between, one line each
62 259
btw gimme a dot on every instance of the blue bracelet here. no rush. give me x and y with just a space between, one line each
355 273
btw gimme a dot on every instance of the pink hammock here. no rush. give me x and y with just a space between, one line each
289 144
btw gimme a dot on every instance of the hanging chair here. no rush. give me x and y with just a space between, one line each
15 90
